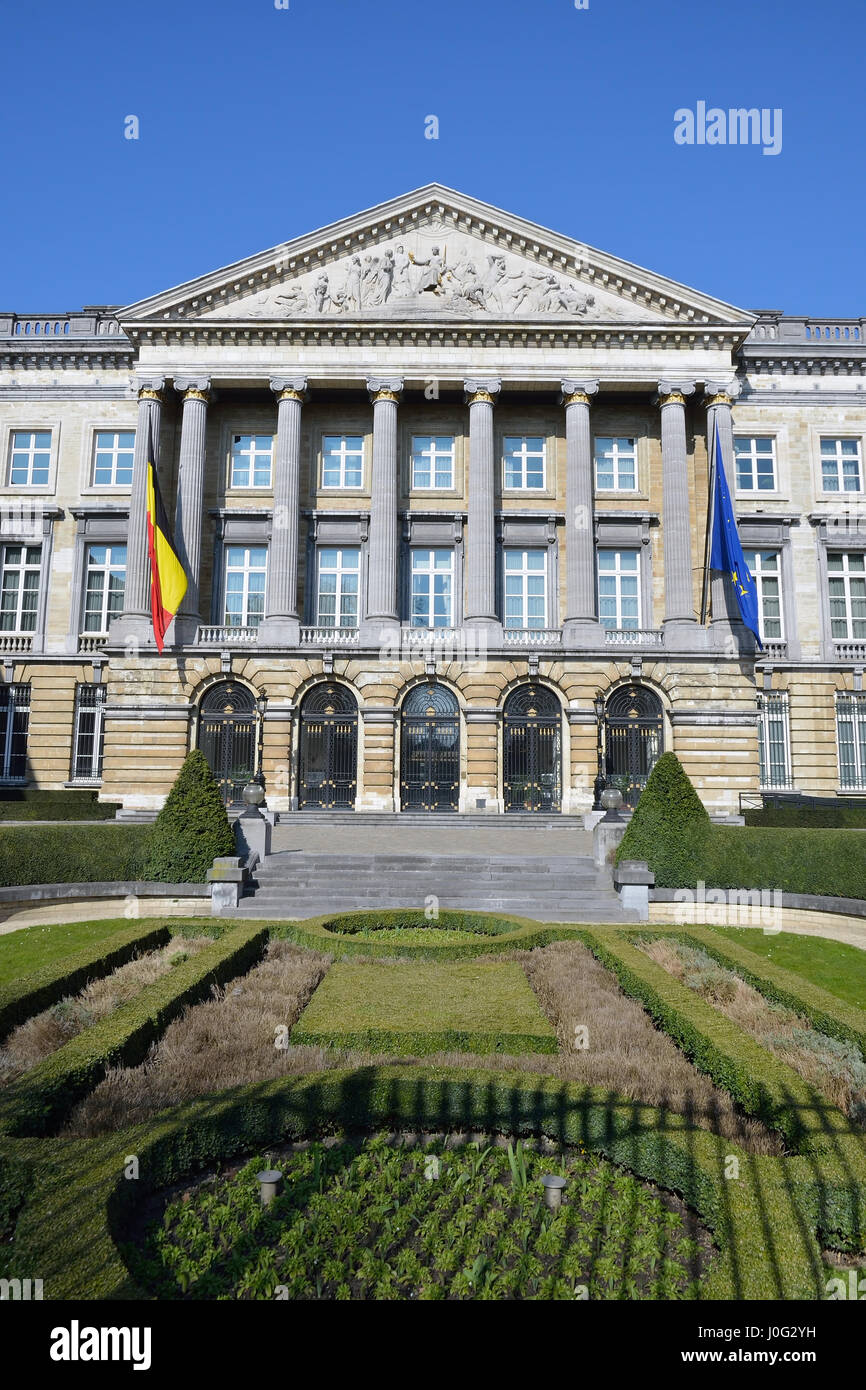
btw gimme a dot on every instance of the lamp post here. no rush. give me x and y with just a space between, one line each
600 777
254 792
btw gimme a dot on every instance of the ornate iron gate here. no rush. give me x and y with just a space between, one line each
634 739
227 736
532 750
430 750
327 772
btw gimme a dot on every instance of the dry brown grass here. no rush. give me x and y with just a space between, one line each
819 1060
49 1030
224 1042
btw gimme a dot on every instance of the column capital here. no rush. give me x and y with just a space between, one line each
674 392
486 390
578 392
289 388
194 388
384 389
151 389
720 393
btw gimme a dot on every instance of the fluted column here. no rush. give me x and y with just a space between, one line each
481 527
382 617
281 623
134 624
724 609
190 498
581 627
681 627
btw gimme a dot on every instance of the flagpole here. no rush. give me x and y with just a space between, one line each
711 516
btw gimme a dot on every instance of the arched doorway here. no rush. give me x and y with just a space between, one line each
634 739
532 750
328 763
430 750
227 736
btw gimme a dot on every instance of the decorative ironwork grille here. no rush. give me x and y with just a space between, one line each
634 739
327 775
532 750
89 733
14 726
226 736
430 750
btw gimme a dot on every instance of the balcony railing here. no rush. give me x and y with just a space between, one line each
634 637
329 637
775 649
850 651
215 635
532 637
430 636
16 641
92 641
777 328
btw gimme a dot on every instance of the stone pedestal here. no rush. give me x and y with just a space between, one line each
606 838
632 879
252 836
226 878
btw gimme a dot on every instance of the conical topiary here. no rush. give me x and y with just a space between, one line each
192 829
668 824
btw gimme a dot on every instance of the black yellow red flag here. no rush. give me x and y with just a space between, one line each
168 582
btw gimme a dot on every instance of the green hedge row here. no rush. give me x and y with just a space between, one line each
347 923
72 854
41 1099
406 1044
32 803
522 935
817 818
82 1201
21 999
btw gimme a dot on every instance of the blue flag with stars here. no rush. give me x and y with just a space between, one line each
726 553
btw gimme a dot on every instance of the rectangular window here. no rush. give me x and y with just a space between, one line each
524 463
851 735
615 465
840 465
526 589
756 464
432 587
113 452
252 460
432 461
103 586
339 586
14 725
619 588
846 572
19 592
774 739
88 736
246 571
765 568
30 458
342 460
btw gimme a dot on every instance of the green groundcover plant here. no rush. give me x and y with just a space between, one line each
379 1221
73 854
192 829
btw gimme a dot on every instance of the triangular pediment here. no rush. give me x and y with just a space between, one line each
434 255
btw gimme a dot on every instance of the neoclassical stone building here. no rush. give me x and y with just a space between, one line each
440 485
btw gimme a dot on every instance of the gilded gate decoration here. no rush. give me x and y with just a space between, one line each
634 739
328 768
532 750
430 750
226 736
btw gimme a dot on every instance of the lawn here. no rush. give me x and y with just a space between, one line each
832 965
24 951
479 1007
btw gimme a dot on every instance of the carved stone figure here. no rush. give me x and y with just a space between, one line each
294 299
433 270
352 287
322 293
402 278
382 280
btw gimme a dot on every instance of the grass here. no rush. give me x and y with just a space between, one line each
24 951
485 1006
832 965
383 1222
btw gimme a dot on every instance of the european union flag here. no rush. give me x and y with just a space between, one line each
726 553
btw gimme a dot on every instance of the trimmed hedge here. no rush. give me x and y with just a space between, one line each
73 854
41 1099
32 803
192 829
804 818
347 923
669 819
522 935
21 999
82 1201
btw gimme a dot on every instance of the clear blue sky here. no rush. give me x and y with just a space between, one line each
258 124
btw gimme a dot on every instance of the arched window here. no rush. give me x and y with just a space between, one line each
328 764
430 749
227 736
532 750
633 739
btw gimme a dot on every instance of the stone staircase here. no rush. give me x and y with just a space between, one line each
550 888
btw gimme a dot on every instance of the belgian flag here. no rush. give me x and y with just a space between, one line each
168 583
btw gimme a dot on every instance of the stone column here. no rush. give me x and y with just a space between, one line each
481 528
726 626
581 627
190 499
281 624
382 620
134 625
681 627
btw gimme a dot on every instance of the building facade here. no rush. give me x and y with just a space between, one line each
439 480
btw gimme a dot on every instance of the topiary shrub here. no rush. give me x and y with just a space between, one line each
192 829
669 824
